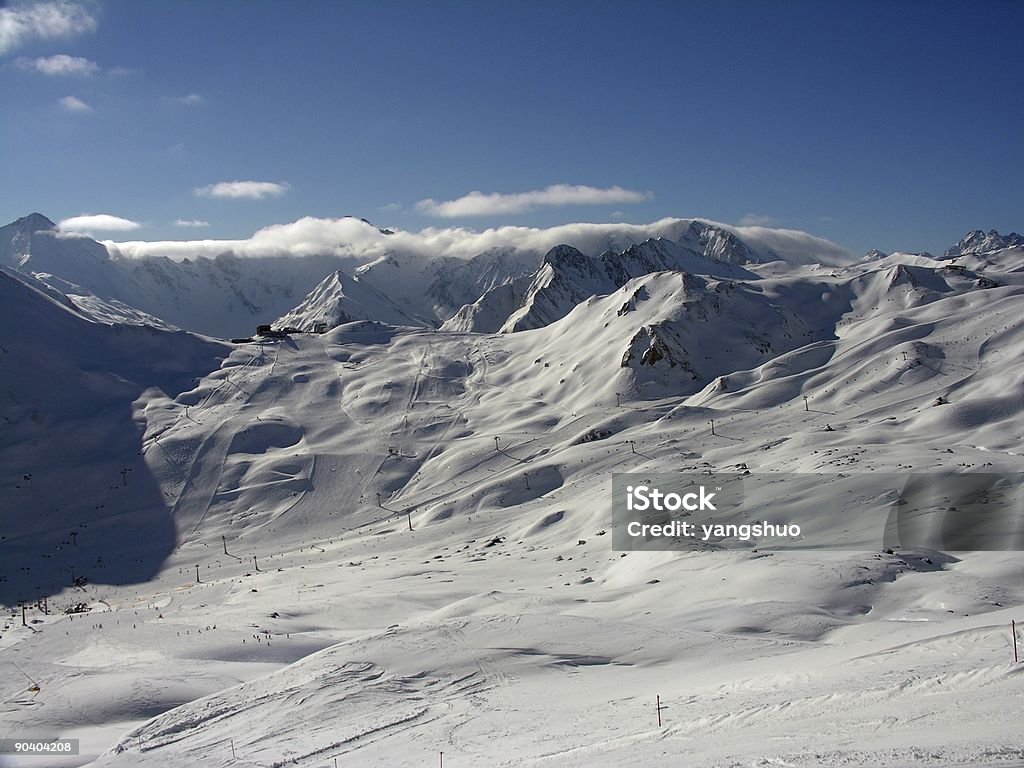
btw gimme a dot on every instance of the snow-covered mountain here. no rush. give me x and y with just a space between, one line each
16 238
460 282
340 299
458 288
981 243
222 296
567 277
722 245
431 288
386 542
492 310
34 245
226 288
398 290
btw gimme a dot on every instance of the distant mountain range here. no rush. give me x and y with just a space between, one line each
229 294
502 289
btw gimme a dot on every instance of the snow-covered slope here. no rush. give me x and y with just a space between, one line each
490 312
88 305
662 334
71 448
390 543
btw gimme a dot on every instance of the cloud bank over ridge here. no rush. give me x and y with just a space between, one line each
352 237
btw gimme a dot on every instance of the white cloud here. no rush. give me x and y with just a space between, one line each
191 223
21 24
59 65
794 245
73 104
252 190
495 203
91 222
351 237
758 220
189 101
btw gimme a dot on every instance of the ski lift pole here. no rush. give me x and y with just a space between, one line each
35 686
1013 631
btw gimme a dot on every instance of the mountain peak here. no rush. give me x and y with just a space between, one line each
34 222
978 242
717 243
340 298
16 238
564 253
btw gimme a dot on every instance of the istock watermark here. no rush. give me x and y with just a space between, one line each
640 498
944 511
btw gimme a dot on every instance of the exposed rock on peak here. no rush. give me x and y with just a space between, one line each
718 244
978 243
567 276
34 222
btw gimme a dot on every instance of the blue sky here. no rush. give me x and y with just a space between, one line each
894 125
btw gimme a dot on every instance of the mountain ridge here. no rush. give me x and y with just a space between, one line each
229 294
